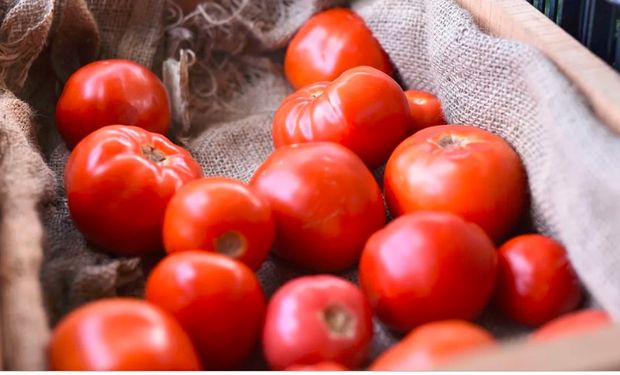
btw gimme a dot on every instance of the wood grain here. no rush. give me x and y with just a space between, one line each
518 20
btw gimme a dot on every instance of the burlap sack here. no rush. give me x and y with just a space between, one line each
221 64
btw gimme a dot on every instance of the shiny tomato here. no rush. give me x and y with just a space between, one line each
329 43
460 169
120 334
536 282
571 324
364 110
119 180
325 202
425 109
220 215
321 366
218 301
433 344
320 318
111 92
428 266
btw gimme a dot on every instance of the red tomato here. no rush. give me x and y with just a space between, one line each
425 109
320 318
570 324
218 301
321 366
326 203
120 334
536 282
220 215
364 110
428 266
119 180
111 92
433 344
328 44
460 169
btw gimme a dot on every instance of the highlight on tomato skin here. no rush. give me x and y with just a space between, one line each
574 323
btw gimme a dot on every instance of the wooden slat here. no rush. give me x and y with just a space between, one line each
518 20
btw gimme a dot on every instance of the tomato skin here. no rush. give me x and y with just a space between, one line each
460 169
425 109
364 110
329 43
570 324
220 215
117 194
325 202
218 301
536 282
428 266
120 334
111 92
321 366
432 344
317 318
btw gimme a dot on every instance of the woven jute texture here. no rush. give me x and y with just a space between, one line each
221 63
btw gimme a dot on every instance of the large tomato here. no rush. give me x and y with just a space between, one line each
425 109
433 344
111 92
325 202
460 169
119 180
218 301
571 324
220 215
328 44
364 110
320 318
536 282
120 334
428 266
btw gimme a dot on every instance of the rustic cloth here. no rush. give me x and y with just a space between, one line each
221 64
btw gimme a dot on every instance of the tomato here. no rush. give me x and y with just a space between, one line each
321 366
120 334
433 344
111 92
218 301
325 202
364 110
220 215
536 282
428 266
119 180
317 318
460 169
425 109
572 323
329 43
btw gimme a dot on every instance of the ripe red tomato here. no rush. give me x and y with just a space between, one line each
120 334
218 301
320 318
328 44
325 202
321 366
221 215
460 169
119 180
433 344
364 110
428 266
111 92
425 109
572 323
536 282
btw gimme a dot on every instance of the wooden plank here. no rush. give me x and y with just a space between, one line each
518 20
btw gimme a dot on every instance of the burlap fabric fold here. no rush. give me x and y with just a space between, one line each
221 64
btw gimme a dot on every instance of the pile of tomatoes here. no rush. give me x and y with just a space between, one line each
456 192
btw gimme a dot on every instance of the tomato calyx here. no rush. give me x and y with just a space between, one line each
339 320
231 244
153 154
450 140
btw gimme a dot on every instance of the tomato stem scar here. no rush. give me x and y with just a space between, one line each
339 320
153 154
230 244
